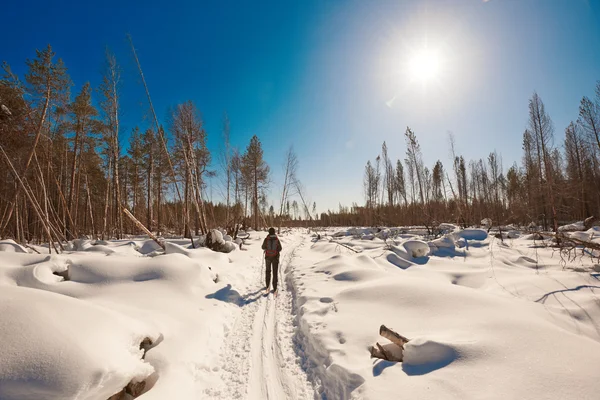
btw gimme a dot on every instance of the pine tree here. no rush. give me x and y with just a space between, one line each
82 123
258 172
48 85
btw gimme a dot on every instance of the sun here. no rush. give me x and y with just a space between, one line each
424 65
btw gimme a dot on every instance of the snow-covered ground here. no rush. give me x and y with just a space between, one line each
486 319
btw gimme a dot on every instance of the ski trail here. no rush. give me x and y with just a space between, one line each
266 379
258 360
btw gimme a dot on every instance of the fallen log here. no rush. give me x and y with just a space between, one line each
142 227
393 351
344 245
589 222
392 336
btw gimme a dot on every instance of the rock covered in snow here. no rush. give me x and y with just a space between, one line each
416 248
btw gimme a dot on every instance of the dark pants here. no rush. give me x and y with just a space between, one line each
272 262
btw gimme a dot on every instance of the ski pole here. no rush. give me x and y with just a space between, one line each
262 265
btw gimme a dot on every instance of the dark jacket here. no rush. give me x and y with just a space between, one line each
278 245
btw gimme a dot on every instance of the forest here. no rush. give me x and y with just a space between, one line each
555 184
66 173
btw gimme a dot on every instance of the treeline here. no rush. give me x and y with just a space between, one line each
552 185
65 173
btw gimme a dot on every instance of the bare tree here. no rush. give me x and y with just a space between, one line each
289 188
543 131
109 90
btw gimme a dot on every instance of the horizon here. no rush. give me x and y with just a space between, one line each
330 78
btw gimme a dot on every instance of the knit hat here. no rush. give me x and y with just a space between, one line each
271 231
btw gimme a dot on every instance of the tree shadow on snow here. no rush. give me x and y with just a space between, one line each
228 295
544 297
381 365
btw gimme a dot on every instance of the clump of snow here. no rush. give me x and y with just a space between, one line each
513 234
10 245
576 226
217 236
535 236
148 247
428 354
471 234
584 236
55 346
416 248
447 228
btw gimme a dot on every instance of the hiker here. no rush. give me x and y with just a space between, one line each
272 247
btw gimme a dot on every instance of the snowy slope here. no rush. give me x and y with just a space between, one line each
487 319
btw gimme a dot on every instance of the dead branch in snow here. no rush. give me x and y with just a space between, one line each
392 351
142 227
392 336
344 245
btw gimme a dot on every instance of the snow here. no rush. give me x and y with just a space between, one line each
486 318
10 245
576 226
416 248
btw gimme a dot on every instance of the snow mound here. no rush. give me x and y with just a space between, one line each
513 234
39 275
58 347
11 246
400 262
79 245
416 248
535 236
576 226
148 247
471 234
424 355
173 248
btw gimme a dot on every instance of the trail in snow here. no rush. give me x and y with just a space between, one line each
258 360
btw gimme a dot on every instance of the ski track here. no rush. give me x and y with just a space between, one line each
258 360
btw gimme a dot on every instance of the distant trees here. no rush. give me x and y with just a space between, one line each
66 172
548 188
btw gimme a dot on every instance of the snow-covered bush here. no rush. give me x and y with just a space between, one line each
416 248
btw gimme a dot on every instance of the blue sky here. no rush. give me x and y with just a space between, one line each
329 76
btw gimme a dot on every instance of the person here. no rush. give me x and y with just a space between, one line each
272 247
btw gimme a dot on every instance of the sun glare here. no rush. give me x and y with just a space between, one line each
424 66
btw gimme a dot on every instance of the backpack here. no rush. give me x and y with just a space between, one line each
271 250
